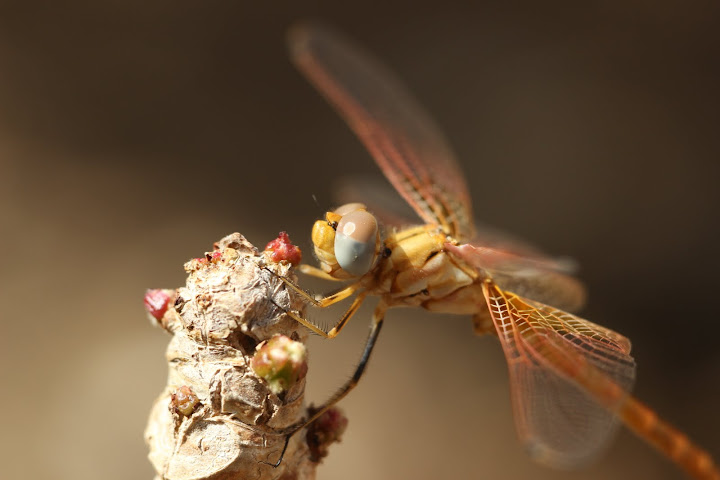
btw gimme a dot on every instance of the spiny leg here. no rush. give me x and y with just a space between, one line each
375 326
316 272
335 330
377 322
325 301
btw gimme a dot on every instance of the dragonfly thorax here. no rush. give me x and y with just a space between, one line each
347 243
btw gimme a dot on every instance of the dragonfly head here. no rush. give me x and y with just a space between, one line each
347 243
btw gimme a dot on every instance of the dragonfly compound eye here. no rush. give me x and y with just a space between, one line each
356 240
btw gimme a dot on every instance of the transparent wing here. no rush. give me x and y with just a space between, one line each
514 248
532 275
396 130
567 377
385 204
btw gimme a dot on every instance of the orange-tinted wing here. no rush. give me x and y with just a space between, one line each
530 275
396 130
567 377
392 211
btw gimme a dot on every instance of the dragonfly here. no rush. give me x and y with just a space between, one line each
569 378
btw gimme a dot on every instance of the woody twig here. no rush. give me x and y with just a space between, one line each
237 366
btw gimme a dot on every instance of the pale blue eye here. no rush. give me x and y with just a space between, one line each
356 241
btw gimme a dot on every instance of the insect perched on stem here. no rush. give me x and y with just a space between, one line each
569 378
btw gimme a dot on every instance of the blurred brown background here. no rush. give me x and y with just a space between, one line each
135 134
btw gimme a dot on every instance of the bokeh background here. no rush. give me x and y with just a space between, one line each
135 134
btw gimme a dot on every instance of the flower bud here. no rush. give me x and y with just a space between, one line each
281 362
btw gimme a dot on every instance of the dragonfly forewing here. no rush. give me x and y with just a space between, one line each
402 138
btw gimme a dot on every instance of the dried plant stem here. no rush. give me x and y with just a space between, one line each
216 418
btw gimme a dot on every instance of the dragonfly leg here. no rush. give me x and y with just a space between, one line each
316 272
375 326
335 330
324 301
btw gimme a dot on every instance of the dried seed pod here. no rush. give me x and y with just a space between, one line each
216 418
